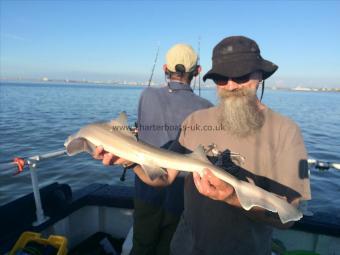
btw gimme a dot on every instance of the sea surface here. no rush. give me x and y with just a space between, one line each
36 118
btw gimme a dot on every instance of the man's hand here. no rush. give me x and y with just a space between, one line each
108 158
211 186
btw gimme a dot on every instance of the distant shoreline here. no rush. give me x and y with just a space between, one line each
143 85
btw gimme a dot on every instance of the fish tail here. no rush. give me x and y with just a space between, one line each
250 195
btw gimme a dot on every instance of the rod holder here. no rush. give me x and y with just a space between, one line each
41 218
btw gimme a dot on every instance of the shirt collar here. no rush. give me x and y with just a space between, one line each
174 86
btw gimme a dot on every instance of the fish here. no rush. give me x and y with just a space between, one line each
116 137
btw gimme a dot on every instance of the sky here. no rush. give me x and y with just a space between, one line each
118 40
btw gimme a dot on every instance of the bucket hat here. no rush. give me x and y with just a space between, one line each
237 56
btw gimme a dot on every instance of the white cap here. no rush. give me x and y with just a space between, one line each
182 54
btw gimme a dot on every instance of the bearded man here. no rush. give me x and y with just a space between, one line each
255 143
271 153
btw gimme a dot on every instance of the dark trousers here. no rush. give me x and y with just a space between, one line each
153 229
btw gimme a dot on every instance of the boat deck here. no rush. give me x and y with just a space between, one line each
59 202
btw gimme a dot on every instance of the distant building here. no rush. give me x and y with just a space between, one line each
298 88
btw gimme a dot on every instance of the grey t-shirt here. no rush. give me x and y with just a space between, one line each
275 158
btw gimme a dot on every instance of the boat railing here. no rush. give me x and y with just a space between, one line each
32 162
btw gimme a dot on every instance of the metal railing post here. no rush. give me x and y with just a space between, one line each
41 218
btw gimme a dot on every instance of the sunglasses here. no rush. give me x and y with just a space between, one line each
223 80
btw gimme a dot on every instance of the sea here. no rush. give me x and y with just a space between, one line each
36 118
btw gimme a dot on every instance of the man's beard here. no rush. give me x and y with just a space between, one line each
239 112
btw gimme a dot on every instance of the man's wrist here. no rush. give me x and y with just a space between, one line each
232 199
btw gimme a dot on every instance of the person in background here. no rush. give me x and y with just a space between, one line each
250 141
160 114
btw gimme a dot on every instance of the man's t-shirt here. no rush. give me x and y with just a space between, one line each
275 158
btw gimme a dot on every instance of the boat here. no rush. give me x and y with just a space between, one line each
97 208
105 211
101 215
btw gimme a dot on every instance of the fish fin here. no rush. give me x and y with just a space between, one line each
247 201
199 154
121 124
153 171
77 145
265 199
122 119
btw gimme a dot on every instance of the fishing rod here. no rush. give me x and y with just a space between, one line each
198 61
154 65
